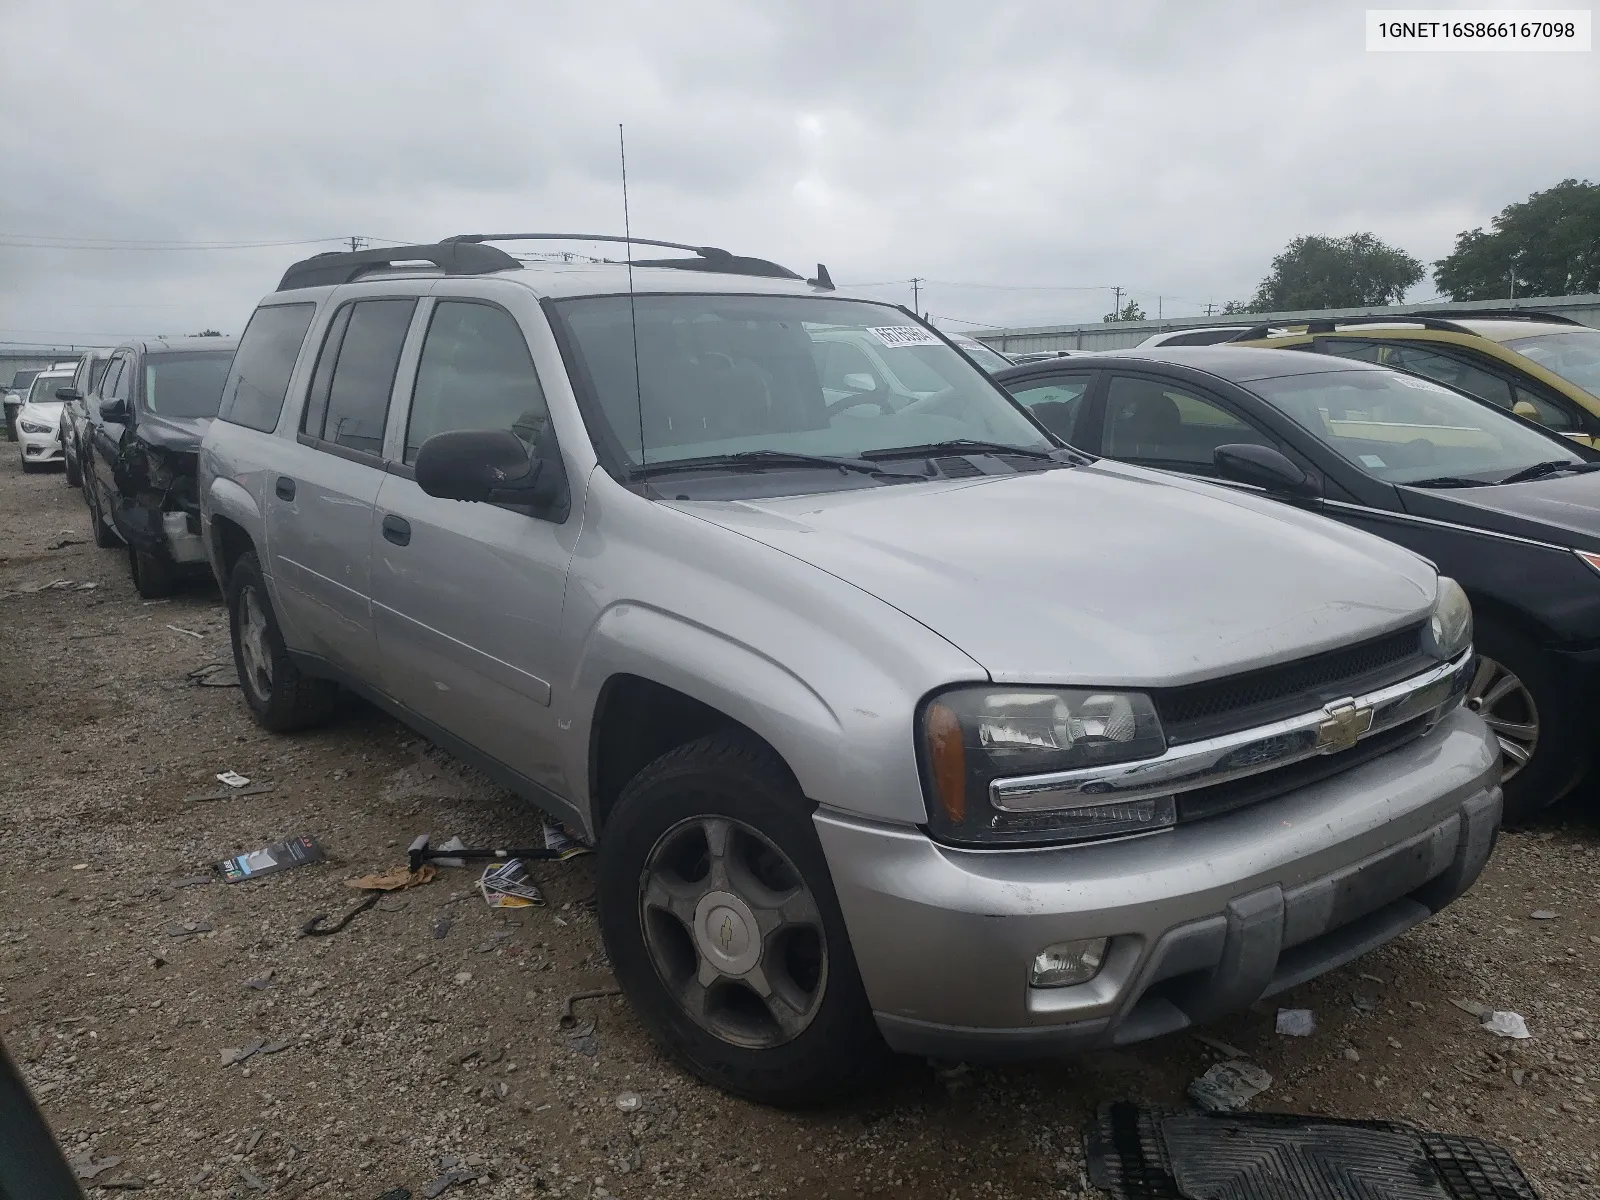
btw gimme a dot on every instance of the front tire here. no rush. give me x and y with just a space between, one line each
280 696
103 536
723 929
73 476
152 577
1534 711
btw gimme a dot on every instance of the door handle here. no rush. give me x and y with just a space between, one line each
284 488
397 530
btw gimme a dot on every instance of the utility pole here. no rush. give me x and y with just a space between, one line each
357 243
1209 307
1158 307
916 294
1116 307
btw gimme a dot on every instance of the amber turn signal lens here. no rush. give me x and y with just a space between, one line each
947 756
1592 559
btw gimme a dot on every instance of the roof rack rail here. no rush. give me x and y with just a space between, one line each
707 258
1435 319
343 266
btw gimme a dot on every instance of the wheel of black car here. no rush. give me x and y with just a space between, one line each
1534 712
723 928
152 578
280 696
103 536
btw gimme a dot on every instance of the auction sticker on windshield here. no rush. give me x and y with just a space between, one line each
896 336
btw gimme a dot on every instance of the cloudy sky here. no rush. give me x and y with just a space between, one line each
1024 158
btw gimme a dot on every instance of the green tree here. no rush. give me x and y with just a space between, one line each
1549 245
1235 308
206 333
1130 312
1336 272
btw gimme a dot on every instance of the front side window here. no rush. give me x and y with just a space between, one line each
1162 424
719 375
363 374
108 381
989 359
185 385
1054 403
1402 429
475 373
1574 356
259 380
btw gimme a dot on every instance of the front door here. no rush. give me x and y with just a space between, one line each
467 597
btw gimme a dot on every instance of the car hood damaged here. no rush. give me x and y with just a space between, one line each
1102 575
183 434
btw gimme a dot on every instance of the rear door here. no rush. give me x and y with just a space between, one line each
467 597
1060 401
103 437
318 505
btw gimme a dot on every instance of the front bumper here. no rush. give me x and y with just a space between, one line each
174 537
1203 919
39 447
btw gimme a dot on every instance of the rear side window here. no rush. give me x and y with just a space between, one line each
364 360
1055 403
475 373
262 366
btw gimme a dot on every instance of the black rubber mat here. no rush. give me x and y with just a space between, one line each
1179 1154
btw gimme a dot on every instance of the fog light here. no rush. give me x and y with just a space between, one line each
1066 963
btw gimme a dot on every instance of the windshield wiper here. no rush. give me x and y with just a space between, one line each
1447 481
768 458
959 446
1540 469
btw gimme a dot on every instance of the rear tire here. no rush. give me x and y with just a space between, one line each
1535 712
280 696
152 578
664 903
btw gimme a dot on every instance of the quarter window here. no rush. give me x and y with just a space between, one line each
108 381
1162 425
1054 403
363 374
122 386
259 380
475 373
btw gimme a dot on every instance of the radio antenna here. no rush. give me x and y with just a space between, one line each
633 314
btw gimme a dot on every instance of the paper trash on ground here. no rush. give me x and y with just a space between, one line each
269 860
1228 1086
1297 1022
508 885
232 778
567 844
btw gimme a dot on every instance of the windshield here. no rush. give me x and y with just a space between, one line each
1574 356
45 387
721 374
1402 429
989 360
185 385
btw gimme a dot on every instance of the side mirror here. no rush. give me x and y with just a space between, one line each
486 466
860 381
1525 410
1263 467
68 393
113 410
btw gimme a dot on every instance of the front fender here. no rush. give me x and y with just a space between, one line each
223 497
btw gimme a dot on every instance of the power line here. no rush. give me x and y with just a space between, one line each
30 241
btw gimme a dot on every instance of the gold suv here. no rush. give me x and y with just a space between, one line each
1542 367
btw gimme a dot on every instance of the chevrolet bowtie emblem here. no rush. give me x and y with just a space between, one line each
1343 727
725 935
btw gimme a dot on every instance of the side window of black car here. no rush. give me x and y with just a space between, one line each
1159 423
363 349
1056 402
122 386
108 381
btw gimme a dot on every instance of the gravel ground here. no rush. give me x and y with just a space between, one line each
424 1036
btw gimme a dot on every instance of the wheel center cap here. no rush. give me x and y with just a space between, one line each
725 929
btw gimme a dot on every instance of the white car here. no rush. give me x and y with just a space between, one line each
39 421
1208 335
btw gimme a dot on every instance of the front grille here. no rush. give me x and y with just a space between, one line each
1218 706
1253 789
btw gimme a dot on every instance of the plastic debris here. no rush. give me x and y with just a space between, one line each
563 841
1229 1086
447 1181
232 778
231 1056
1542 914
86 1166
261 982
189 632
508 885
629 1102
1297 1022
282 856
454 843
1507 1024
183 929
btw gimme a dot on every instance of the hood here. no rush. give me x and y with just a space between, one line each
1102 575
48 411
1564 509
179 434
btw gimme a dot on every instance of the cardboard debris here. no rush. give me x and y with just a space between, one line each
395 879
269 860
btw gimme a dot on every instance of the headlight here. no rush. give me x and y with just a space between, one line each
34 427
973 736
1450 627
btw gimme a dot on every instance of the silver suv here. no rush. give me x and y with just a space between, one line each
897 722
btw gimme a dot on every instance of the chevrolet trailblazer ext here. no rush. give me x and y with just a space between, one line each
897 722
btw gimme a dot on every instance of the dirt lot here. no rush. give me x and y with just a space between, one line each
425 1037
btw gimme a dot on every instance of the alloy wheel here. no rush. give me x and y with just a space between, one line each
253 646
733 931
1507 708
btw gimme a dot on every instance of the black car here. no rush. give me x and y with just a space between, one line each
141 453
1502 505
75 410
